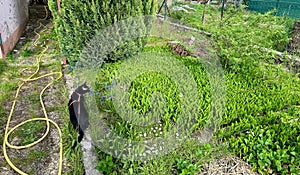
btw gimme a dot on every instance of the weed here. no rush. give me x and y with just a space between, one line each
2 66
106 165
185 167
27 53
10 56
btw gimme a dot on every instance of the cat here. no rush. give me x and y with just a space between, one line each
43 2
79 117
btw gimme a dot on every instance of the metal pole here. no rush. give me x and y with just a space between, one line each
165 15
166 9
222 11
277 5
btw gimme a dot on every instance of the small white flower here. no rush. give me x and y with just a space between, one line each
260 135
252 133
156 134
160 133
159 129
156 127
145 134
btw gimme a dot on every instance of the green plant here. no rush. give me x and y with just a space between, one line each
29 132
240 27
10 56
260 123
2 66
185 167
256 93
106 165
26 53
79 21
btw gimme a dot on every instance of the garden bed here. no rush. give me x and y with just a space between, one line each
260 124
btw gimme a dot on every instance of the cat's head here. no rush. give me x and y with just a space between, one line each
83 89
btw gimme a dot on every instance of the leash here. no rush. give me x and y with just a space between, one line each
6 143
77 101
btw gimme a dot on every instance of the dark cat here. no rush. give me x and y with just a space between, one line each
43 2
79 117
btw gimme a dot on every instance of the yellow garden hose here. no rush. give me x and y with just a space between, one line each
8 131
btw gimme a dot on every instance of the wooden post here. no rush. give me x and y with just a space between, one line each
169 3
2 54
204 11
64 60
58 6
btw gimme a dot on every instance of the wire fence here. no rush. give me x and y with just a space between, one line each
290 8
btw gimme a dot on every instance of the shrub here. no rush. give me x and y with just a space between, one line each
79 21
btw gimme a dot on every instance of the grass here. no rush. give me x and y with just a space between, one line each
27 53
2 66
29 132
10 77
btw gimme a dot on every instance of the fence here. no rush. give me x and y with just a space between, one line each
290 8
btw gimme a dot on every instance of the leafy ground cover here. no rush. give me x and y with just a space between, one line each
261 120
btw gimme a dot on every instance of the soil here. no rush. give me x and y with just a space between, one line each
294 45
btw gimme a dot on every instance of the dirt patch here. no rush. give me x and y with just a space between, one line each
294 45
227 165
178 49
